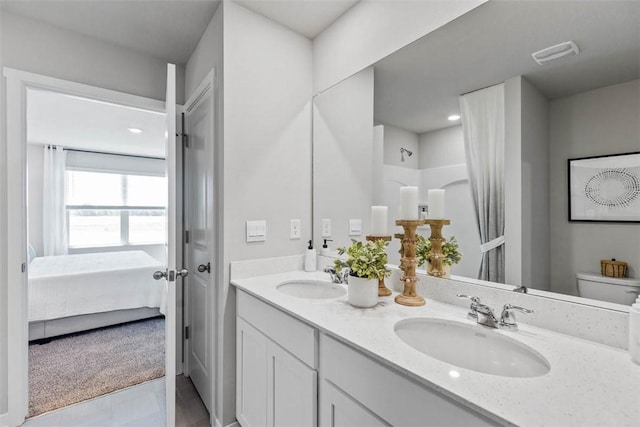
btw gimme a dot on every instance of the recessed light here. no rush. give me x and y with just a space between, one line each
135 130
454 374
453 117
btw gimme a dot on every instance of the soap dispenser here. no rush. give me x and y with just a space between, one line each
310 258
325 247
634 331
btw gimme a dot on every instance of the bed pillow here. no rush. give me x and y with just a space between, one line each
31 253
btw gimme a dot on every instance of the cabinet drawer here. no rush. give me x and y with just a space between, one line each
295 336
391 396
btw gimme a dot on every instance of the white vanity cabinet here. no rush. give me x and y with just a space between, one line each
276 369
356 390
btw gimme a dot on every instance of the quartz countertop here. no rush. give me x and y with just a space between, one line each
588 384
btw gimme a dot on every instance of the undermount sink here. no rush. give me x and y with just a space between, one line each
473 347
311 289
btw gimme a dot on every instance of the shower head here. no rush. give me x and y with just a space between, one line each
404 150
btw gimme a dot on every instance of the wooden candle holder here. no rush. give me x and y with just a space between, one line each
408 263
383 291
436 240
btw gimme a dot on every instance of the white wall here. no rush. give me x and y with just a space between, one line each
526 185
43 49
373 29
396 138
442 147
206 55
343 157
267 153
535 187
599 122
513 181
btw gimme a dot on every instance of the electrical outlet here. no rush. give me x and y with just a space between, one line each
326 228
294 229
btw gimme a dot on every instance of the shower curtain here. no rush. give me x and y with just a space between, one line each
484 134
54 215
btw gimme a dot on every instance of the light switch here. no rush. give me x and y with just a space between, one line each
326 228
355 227
256 231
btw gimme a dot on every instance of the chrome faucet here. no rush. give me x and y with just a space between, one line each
483 314
338 277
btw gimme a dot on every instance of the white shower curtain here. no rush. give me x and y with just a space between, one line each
54 216
484 134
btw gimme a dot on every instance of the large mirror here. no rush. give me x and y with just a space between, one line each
389 126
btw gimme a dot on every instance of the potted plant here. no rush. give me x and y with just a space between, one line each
450 251
367 263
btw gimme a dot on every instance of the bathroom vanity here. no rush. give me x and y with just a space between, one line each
316 360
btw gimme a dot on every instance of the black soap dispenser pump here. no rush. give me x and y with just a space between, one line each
310 258
325 247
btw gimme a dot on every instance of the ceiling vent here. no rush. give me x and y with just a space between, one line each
553 53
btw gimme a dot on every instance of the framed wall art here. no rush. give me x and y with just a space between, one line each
605 188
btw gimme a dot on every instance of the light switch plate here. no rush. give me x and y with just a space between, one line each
294 229
355 227
326 228
256 231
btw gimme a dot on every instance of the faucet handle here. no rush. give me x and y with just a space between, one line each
508 317
473 309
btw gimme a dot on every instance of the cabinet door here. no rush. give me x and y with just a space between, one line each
338 409
251 375
292 385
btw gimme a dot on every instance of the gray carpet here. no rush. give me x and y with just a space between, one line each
85 365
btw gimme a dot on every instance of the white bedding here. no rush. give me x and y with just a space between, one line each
71 285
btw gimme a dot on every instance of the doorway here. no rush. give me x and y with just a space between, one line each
96 210
18 85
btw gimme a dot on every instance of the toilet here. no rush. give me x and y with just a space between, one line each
620 290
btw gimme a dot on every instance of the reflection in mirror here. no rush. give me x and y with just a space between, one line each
581 105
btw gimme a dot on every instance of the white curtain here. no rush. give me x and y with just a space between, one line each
484 134
54 216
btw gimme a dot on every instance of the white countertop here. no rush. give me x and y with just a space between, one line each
588 384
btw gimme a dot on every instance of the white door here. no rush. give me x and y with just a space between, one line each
199 223
171 272
292 398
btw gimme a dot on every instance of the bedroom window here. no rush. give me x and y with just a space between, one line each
109 209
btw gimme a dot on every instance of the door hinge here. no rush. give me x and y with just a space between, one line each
185 140
186 332
23 267
186 236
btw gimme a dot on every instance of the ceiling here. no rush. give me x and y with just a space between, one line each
306 17
417 87
86 124
168 29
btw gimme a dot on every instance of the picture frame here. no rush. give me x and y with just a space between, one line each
605 188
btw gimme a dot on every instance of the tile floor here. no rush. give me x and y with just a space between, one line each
138 406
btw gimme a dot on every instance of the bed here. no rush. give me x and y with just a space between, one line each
71 293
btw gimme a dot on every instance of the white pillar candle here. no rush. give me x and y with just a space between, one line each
436 204
379 216
408 202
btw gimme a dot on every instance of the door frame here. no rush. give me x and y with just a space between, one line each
207 85
17 84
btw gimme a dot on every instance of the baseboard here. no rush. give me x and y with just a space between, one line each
3 420
233 424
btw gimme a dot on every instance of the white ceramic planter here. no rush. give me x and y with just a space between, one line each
363 292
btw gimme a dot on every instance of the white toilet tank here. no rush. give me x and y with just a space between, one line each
620 290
